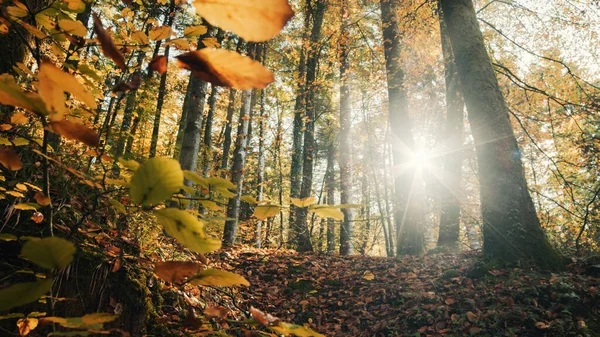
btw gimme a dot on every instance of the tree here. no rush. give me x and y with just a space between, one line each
407 214
511 229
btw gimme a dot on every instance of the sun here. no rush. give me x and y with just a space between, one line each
420 159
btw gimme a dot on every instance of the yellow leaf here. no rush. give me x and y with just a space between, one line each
26 325
193 31
211 42
75 131
160 33
226 68
155 181
263 212
15 194
219 278
33 30
252 20
140 37
54 82
11 94
73 27
303 202
181 44
187 229
368 276
76 6
19 118
25 207
17 12
21 187
325 211
10 159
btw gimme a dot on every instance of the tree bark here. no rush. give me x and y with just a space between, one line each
347 227
452 165
407 206
300 228
330 189
511 229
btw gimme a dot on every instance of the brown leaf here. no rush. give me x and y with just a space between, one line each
37 217
226 68
134 84
10 159
159 64
42 199
75 131
252 20
264 318
108 46
217 311
175 271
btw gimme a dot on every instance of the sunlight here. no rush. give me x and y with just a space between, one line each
420 159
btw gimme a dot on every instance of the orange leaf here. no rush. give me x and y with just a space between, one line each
108 46
175 271
159 64
19 118
472 316
75 131
10 159
264 318
252 20
37 217
26 325
226 68
42 199
217 311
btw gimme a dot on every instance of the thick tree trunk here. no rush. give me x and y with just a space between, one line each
407 206
347 227
207 153
450 184
300 228
297 135
511 229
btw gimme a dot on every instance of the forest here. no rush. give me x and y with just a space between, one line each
299 168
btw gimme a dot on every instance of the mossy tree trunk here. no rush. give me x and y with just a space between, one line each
511 229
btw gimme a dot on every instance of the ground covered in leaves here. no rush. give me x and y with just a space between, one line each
434 295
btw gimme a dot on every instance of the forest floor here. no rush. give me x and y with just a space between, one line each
433 295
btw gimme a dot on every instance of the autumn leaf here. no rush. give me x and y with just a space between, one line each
305 202
42 199
140 37
226 68
264 318
176 271
187 229
133 84
75 131
326 211
19 118
54 82
193 31
26 325
263 212
108 46
219 278
156 180
217 311
160 33
252 20
159 64
12 94
10 159
73 27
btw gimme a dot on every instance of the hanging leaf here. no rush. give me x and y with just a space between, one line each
108 46
187 230
211 42
10 159
252 20
210 205
219 278
75 131
54 82
129 164
19 118
325 211
176 271
49 253
195 178
181 44
26 207
134 84
263 212
26 325
193 31
156 180
73 27
226 68
249 199
23 293
12 94
160 33
159 64
303 202
140 37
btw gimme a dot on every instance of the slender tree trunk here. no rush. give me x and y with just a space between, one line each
237 169
408 214
511 229
386 198
450 184
366 212
260 176
300 229
297 135
162 91
228 128
330 188
207 153
347 227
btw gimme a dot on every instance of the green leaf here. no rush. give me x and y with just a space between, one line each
131 164
23 293
296 330
70 333
50 253
90 321
195 178
303 202
187 229
326 211
7 237
220 278
156 180
98 318
263 212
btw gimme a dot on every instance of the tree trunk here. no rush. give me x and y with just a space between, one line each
300 228
297 135
511 229
451 178
207 153
260 176
330 189
347 227
408 214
